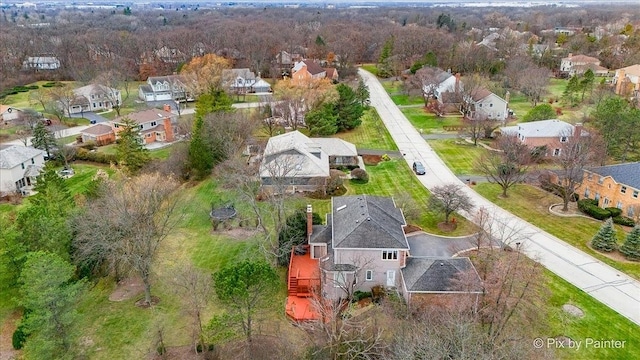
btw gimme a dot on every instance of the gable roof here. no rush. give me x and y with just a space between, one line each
631 70
435 275
292 154
14 155
312 67
98 129
543 128
336 147
87 90
145 116
233 74
8 109
627 174
168 78
582 59
367 222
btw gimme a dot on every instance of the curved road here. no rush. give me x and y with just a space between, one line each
615 289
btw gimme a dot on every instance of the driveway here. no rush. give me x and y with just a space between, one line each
93 117
613 288
429 245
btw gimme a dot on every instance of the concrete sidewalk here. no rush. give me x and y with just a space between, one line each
613 288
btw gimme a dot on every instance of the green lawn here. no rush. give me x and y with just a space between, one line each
372 68
428 123
459 155
371 134
392 178
599 322
531 204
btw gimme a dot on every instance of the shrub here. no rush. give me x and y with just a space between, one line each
98 157
591 208
359 295
614 211
360 175
18 338
605 239
623 220
385 157
210 347
32 87
631 247
88 145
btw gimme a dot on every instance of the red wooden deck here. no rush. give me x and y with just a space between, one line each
303 281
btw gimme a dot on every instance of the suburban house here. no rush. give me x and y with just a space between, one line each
286 60
101 134
41 63
545 134
613 186
306 70
485 104
94 97
155 125
19 168
627 81
294 162
243 81
332 73
362 246
438 82
578 64
9 114
164 88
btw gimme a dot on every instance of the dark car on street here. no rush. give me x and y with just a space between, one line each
418 168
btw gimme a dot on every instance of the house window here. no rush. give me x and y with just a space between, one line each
491 105
619 204
390 255
563 139
149 135
116 125
600 180
586 193
22 166
623 189
590 176
153 123
369 275
556 152
630 211
606 202
597 198
33 161
339 279
635 194
141 127
479 105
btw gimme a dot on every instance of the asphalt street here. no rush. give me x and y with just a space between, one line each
613 288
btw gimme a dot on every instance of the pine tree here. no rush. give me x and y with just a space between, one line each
631 247
43 139
130 150
200 155
362 93
384 61
605 239
348 108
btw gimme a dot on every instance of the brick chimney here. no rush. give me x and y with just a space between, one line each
166 108
507 96
309 222
457 82
620 81
577 130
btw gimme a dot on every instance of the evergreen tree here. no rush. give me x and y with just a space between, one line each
605 239
631 247
362 93
49 298
348 108
385 66
322 120
43 139
130 151
200 155
587 81
540 112
571 91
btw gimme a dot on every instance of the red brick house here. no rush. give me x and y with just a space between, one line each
154 125
101 134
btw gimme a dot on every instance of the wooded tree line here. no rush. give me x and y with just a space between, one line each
154 42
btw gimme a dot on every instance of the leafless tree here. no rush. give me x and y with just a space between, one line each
508 165
61 98
125 226
578 151
428 78
448 199
409 207
110 81
193 286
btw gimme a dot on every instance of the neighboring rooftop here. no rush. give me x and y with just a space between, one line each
436 275
581 58
312 67
13 155
336 147
145 116
628 174
543 128
367 222
294 154
632 70
98 129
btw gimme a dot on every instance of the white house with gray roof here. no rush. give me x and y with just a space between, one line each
294 162
19 168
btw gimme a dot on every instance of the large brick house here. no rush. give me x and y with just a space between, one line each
363 245
613 186
154 125
578 64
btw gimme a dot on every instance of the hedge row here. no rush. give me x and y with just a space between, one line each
591 208
84 154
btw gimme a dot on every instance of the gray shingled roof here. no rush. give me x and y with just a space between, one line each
367 222
12 156
425 275
627 174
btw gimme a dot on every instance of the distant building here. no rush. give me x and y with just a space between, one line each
41 63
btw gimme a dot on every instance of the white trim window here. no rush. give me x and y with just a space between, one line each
623 189
389 254
339 279
368 275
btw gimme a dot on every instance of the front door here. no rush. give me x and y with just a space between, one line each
391 278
